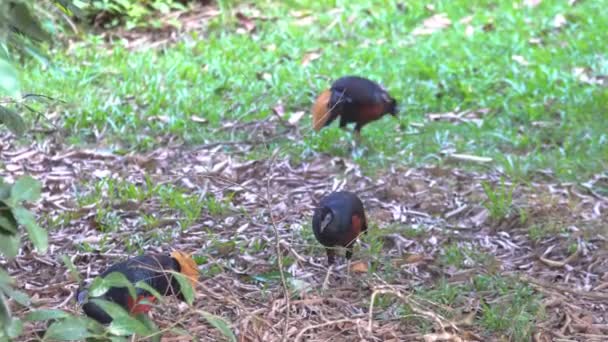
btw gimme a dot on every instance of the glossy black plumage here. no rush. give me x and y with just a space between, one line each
153 269
338 221
355 100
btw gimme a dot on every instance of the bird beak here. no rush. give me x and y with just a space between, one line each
326 221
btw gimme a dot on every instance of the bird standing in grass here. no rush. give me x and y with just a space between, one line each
355 100
338 221
154 270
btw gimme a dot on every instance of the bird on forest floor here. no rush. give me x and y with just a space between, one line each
338 221
355 100
155 270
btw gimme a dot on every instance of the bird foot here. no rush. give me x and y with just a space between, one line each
326 281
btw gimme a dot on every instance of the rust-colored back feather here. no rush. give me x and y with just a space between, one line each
320 110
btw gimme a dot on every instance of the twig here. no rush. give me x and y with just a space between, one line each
278 250
593 295
339 321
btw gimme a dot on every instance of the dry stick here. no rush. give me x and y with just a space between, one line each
430 314
279 254
592 295
310 327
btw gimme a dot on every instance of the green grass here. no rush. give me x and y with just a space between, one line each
507 308
135 97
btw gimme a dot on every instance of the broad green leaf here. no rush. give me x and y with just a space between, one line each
144 286
115 279
5 190
122 324
18 296
156 337
9 81
71 267
13 121
9 245
118 339
5 278
8 225
22 19
111 308
45 315
72 329
5 312
38 235
14 328
220 324
185 287
27 189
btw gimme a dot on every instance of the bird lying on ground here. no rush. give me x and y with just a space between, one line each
154 270
355 100
338 221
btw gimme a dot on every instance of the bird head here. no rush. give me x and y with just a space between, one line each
390 104
327 221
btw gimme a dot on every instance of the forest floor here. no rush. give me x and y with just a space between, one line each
487 197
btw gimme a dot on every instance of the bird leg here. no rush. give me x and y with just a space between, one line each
331 256
357 136
326 281
349 255
331 259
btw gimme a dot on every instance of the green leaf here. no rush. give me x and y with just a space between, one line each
27 189
45 315
18 296
72 329
38 235
9 82
71 267
5 190
144 286
115 279
12 120
5 278
9 245
5 312
220 324
156 337
8 224
185 287
22 19
14 328
122 324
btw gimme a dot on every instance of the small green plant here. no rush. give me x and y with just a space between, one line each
500 199
453 255
131 13
515 314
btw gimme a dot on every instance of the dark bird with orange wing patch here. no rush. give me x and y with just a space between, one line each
355 100
154 270
338 221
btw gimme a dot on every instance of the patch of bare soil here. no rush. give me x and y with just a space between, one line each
568 266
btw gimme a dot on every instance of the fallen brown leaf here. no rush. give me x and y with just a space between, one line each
520 60
433 24
310 56
198 119
296 117
559 21
246 22
359 267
